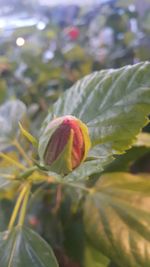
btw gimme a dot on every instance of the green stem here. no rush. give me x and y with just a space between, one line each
22 152
27 173
16 208
24 206
12 161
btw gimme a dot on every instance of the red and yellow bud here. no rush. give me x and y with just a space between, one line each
68 144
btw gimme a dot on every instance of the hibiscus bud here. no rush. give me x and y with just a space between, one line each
67 145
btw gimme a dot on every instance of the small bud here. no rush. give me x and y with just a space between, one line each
68 144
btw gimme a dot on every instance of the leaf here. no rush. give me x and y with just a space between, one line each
101 158
93 257
140 148
125 161
87 168
11 113
114 105
118 223
28 136
23 247
5 213
112 265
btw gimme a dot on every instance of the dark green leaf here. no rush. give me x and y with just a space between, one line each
117 218
125 161
23 247
5 213
114 105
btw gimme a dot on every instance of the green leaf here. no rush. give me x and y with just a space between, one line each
93 257
11 113
5 213
23 247
125 161
87 168
114 105
112 265
28 136
119 218
140 148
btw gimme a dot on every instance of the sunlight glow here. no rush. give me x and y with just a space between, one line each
20 41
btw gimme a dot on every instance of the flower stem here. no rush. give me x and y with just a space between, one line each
24 206
22 152
17 207
27 173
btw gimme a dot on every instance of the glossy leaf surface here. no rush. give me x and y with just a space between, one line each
25 248
117 218
114 105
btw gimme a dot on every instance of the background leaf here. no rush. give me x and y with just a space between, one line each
114 105
94 257
11 113
118 223
23 247
124 162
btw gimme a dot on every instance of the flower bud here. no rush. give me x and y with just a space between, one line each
67 145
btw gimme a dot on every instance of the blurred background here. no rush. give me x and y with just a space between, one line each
46 45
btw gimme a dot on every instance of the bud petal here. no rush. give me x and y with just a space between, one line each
67 144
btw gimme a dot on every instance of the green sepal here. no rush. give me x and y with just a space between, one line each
86 138
28 136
